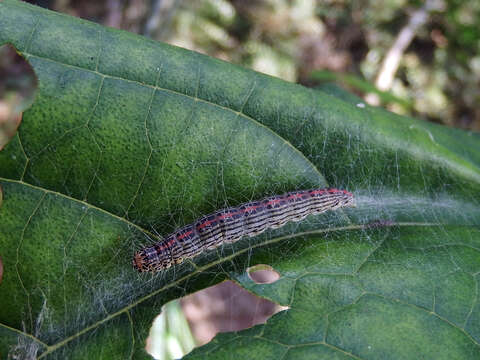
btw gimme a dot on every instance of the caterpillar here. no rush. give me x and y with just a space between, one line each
231 224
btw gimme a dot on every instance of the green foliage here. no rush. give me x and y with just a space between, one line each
438 74
359 84
128 136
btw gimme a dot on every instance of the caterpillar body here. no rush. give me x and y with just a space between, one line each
231 224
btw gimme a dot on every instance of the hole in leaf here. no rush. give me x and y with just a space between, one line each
170 336
225 307
197 318
17 88
262 274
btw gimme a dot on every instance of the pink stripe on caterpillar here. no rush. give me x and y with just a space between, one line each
183 235
229 225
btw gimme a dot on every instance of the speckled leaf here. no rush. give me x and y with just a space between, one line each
128 137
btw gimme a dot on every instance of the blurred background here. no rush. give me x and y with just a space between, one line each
416 58
419 58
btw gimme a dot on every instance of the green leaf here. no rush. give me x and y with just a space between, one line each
129 137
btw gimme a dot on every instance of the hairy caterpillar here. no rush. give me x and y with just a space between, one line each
231 224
